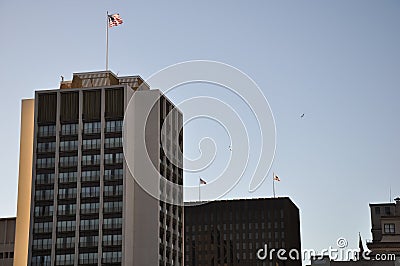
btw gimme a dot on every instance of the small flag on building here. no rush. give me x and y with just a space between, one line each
202 182
276 178
114 20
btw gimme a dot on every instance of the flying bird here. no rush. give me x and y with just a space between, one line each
230 147
302 116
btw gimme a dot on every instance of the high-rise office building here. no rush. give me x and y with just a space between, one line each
7 236
231 232
86 208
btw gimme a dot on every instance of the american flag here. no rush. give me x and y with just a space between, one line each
202 182
114 20
276 178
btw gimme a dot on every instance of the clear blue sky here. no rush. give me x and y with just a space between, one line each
338 62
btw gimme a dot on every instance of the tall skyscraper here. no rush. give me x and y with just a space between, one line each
86 208
231 232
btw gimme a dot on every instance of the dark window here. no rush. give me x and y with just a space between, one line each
47 107
114 102
114 126
46 147
69 129
91 144
67 177
93 175
47 131
91 105
91 159
92 128
387 210
68 145
377 210
389 228
69 107
45 178
113 142
68 161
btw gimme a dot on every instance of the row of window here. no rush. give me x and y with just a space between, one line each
68 145
66 242
84 258
91 175
45 227
70 209
66 226
112 240
69 129
244 236
84 241
46 147
47 131
65 259
88 241
93 224
232 215
66 177
67 209
87 144
88 192
237 226
94 191
68 161
72 161
67 193
113 142
45 162
40 244
91 144
47 210
92 128
41 260
88 128
47 194
6 255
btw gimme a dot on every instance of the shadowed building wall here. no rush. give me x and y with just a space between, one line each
7 236
24 183
230 232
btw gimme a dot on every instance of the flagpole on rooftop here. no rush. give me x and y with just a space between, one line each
107 26
199 187
273 183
